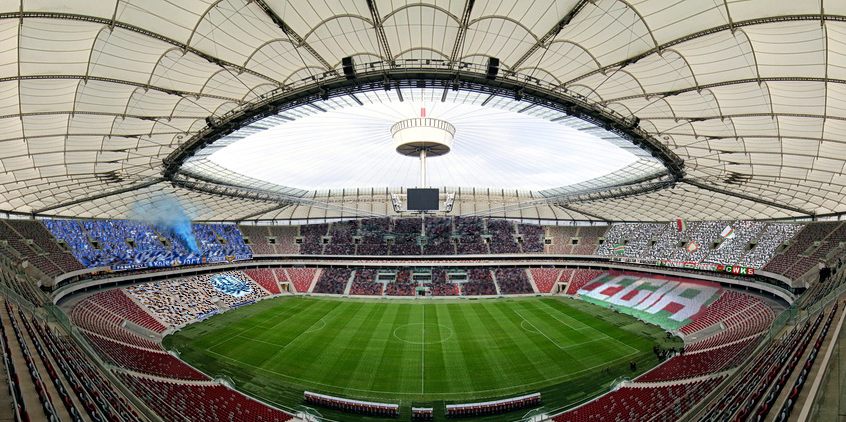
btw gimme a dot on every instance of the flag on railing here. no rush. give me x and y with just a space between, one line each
681 225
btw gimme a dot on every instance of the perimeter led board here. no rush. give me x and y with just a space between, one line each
423 199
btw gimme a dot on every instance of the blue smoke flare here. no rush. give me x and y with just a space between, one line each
168 214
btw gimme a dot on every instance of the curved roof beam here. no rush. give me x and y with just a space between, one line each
773 137
100 113
592 57
742 115
132 28
297 70
200 20
533 68
431 6
753 198
296 39
335 17
505 18
169 91
642 20
408 50
90 134
253 89
99 196
686 63
710 31
733 82
265 44
550 35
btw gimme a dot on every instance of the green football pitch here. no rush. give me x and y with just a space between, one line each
425 352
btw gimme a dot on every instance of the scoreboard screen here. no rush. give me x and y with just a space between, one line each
423 199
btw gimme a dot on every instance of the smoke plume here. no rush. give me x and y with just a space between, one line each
167 214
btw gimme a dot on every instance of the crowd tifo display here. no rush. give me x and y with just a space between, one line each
123 244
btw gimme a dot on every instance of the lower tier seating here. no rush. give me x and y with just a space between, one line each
265 278
151 362
636 403
205 402
580 278
333 281
301 278
695 364
545 278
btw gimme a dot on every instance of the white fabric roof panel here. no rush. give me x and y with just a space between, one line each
94 95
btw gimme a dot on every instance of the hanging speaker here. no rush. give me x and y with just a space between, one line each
493 68
348 65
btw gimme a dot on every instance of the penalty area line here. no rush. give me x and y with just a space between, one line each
537 330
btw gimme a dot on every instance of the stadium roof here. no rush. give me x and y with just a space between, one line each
103 103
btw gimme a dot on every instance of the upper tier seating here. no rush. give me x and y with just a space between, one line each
806 248
268 240
123 244
438 236
502 236
742 243
532 236
577 240
312 235
29 241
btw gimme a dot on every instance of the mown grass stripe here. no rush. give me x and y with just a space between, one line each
473 350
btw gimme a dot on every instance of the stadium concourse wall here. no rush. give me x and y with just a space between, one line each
513 261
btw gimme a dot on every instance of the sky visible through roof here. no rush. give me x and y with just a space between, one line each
352 147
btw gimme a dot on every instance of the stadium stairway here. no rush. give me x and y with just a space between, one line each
496 284
532 282
26 379
349 284
818 370
205 382
44 361
786 392
669 383
314 280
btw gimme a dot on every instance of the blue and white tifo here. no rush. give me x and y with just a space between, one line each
231 285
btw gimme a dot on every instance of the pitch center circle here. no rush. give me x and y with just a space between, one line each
423 333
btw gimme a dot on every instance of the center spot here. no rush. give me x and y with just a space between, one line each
420 333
